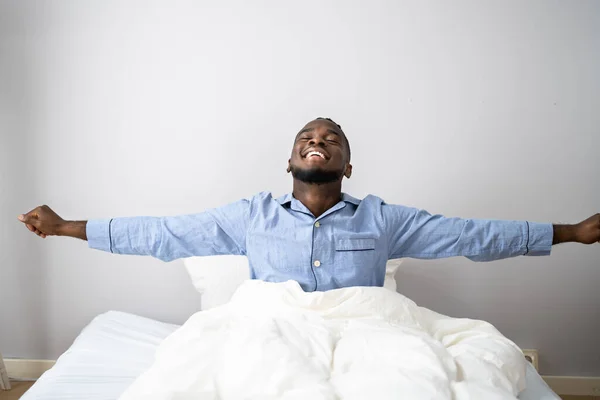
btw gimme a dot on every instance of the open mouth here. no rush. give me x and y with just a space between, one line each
314 153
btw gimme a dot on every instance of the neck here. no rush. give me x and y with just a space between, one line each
318 198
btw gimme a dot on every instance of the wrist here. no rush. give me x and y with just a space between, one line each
76 229
565 233
61 228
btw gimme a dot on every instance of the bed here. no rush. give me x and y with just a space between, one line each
116 347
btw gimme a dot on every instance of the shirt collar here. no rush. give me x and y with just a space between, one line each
287 198
349 199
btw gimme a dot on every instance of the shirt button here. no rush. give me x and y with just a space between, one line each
317 263
317 224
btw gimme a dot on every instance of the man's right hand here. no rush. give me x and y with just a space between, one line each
43 222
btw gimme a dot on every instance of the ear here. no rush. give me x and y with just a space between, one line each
348 171
289 168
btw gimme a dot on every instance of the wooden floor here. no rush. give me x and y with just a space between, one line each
580 397
18 388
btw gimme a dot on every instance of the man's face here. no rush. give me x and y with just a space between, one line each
320 153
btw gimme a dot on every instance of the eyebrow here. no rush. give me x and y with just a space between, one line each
305 130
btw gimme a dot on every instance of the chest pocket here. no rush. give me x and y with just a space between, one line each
352 253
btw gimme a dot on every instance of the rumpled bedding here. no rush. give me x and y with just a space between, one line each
275 341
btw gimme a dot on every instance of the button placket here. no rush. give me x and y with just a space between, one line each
317 224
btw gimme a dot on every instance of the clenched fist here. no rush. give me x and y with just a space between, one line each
43 221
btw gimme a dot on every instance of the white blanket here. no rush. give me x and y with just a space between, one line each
274 341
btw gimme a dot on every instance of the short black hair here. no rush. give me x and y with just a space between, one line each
345 137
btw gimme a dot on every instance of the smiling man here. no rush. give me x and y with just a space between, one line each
316 235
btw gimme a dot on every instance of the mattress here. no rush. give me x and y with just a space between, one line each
116 347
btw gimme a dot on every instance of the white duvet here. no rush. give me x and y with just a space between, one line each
274 341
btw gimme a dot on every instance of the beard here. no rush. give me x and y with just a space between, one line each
316 176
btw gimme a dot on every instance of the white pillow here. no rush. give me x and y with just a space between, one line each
218 277
390 274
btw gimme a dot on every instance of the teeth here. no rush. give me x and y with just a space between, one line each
315 153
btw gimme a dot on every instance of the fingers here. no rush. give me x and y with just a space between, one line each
30 220
36 231
39 233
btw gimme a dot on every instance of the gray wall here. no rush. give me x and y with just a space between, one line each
473 109
22 320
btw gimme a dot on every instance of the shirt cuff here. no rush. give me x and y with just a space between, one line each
540 238
98 234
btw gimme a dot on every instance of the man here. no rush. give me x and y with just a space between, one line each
317 235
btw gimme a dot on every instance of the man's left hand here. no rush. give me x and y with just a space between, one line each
586 232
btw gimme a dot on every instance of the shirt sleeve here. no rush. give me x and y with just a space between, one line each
219 231
417 234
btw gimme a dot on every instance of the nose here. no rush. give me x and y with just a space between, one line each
317 141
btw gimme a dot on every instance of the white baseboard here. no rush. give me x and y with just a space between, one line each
30 370
574 385
26 370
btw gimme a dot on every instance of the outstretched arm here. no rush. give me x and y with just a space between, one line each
215 232
418 234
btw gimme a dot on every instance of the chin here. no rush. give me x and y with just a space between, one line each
316 175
